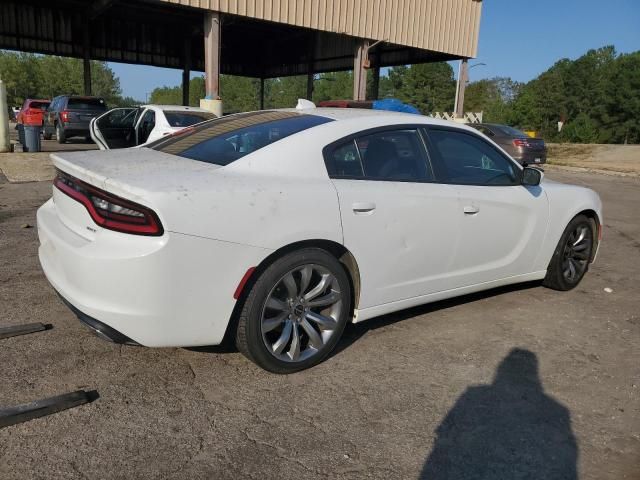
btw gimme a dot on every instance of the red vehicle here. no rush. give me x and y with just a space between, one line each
34 109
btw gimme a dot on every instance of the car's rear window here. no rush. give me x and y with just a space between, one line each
186 119
39 105
514 132
86 104
225 140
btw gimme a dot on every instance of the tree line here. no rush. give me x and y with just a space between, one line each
596 97
27 75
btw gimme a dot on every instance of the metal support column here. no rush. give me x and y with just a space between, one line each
261 93
463 75
186 72
212 55
375 87
310 86
310 64
360 72
86 57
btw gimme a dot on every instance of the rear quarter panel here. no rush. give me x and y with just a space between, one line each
262 211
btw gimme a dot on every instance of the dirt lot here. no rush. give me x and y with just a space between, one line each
434 392
612 159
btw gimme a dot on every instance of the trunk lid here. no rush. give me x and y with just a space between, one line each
147 177
135 173
534 143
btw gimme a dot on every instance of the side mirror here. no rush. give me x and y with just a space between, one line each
531 177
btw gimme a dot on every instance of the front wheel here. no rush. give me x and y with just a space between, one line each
295 312
572 255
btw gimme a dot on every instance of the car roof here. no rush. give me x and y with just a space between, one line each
383 116
82 97
175 108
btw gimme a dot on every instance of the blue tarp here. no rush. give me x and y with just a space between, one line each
394 105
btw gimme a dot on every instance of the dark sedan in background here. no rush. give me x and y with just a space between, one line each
69 116
516 143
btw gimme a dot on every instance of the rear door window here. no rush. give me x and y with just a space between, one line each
39 105
224 140
392 155
186 119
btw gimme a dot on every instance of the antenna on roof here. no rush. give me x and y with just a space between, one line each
304 104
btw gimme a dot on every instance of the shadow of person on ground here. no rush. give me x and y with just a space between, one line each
509 429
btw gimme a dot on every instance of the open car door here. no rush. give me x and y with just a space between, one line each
115 128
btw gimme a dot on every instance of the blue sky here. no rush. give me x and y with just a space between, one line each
518 39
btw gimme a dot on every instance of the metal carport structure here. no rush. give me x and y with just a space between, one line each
255 38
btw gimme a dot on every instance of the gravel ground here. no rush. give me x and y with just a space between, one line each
519 382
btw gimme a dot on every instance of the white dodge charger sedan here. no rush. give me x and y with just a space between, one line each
276 228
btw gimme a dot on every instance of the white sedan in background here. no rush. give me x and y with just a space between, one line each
135 126
276 228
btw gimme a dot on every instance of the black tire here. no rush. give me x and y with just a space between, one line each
250 338
557 277
60 135
46 135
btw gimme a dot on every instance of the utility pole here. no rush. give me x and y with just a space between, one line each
463 75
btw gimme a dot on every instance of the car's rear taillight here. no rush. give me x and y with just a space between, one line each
518 142
110 211
64 116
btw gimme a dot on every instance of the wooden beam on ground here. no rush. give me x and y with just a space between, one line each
45 406
16 330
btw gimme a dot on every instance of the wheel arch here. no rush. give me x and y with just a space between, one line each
339 251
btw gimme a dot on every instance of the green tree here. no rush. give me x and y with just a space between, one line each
430 87
333 86
239 94
39 76
284 92
493 97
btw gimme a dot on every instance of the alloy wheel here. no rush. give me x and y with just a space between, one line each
576 254
301 313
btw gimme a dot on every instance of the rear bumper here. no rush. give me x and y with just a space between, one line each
76 128
102 330
532 158
170 291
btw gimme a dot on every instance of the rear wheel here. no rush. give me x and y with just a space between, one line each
295 312
571 257
60 135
